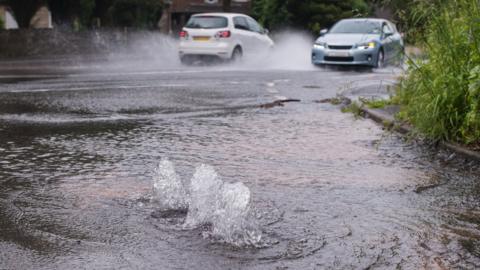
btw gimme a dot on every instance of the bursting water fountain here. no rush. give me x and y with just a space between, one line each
223 207
168 188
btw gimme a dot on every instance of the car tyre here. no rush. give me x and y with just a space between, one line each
185 60
237 54
320 66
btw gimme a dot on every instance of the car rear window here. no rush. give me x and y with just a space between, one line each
207 22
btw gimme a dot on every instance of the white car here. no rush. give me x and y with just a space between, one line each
227 36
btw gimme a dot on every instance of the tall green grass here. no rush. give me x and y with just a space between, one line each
441 95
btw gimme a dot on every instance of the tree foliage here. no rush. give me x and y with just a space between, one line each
134 13
273 14
72 11
412 16
85 13
317 14
311 14
441 96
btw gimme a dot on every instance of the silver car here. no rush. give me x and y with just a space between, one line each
367 42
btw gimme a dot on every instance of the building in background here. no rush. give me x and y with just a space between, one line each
179 11
42 19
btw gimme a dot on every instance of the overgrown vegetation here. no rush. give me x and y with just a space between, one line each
81 14
76 13
310 14
410 16
441 95
375 103
355 108
140 14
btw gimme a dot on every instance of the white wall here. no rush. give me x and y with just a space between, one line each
10 22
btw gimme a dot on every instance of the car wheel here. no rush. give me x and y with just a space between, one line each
185 60
380 59
237 54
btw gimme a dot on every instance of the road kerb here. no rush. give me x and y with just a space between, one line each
387 119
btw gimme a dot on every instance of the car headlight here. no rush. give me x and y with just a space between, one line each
320 45
365 46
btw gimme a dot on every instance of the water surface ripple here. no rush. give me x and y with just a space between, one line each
78 155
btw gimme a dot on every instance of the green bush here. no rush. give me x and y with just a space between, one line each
81 14
2 23
441 95
410 16
77 13
311 14
135 13
271 13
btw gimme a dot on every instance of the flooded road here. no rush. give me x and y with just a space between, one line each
80 147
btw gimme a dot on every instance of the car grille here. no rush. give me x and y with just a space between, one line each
340 47
338 59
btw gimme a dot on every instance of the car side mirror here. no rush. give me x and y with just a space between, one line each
388 34
323 32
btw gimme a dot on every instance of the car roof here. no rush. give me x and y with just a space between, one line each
225 14
366 19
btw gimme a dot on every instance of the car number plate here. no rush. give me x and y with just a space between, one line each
201 38
339 53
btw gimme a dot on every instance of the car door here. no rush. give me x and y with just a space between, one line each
397 40
259 38
243 32
387 41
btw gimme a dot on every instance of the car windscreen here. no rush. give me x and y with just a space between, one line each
207 22
356 27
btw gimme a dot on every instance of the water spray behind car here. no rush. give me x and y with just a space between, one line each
145 50
240 40
291 51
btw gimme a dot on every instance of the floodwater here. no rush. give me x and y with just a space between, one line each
80 148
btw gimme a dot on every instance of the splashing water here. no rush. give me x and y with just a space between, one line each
204 196
230 222
224 206
292 51
168 189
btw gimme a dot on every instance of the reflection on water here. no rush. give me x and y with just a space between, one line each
326 190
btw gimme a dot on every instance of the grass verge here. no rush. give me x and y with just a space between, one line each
440 96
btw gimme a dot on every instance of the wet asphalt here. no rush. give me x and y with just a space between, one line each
79 142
